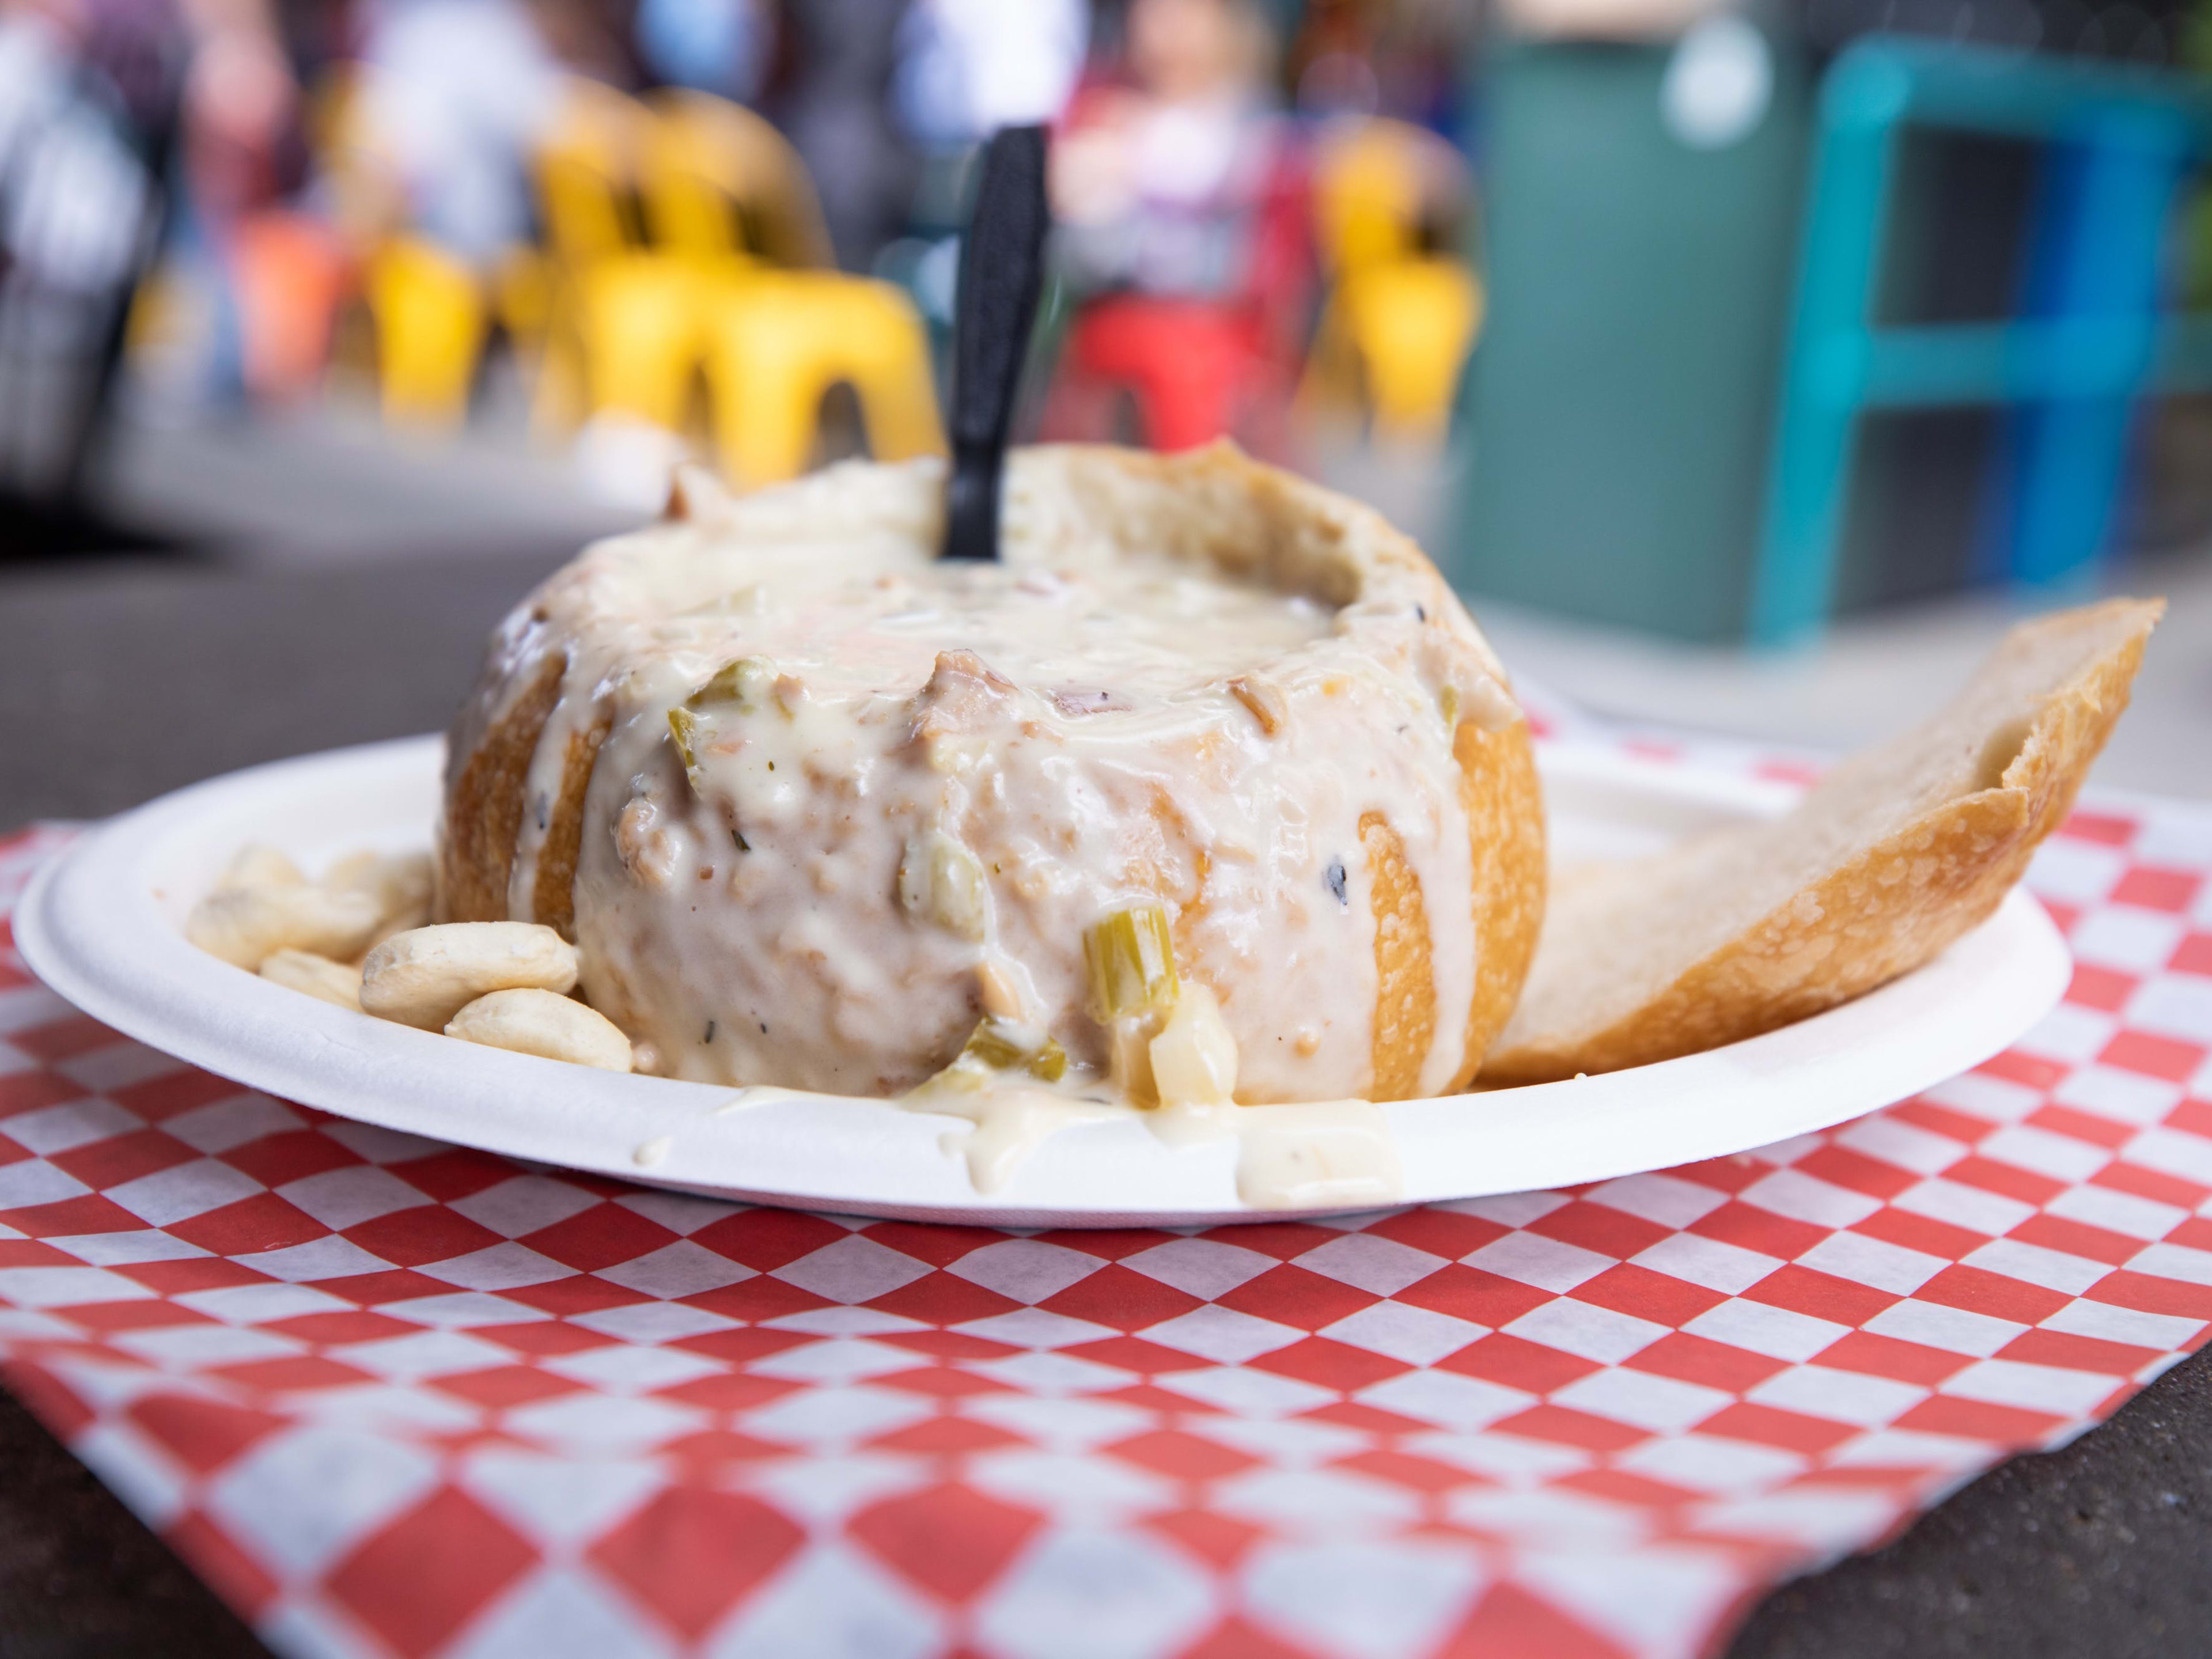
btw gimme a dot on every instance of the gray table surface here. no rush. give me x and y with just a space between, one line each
123 678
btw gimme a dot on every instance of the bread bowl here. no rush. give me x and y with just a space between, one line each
815 807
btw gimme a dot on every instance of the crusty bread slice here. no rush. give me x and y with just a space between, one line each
1894 854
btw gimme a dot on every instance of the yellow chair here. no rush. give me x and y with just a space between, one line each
430 317
583 171
720 191
429 311
621 320
1397 329
1371 181
1411 324
777 341
718 179
639 333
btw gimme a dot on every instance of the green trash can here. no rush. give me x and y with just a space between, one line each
1641 207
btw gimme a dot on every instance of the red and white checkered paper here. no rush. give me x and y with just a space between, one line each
394 1398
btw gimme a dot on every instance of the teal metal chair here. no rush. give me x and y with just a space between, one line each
2091 339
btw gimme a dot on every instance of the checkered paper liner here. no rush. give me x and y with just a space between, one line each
392 1397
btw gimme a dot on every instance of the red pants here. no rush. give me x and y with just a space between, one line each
1194 366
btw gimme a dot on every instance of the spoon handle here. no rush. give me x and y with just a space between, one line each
1001 274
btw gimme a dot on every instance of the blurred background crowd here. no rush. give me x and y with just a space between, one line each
1707 318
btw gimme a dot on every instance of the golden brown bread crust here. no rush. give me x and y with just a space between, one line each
1505 806
1405 991
553 888
1237 512
1882 914
484 802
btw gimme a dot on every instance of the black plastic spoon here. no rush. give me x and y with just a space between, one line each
1001 274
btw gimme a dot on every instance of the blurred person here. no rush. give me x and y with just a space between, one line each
454 94
241 100
209 101
201 96
274 275
134 51
1159 184
1180 195
87 111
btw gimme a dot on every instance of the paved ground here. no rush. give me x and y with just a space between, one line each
2103 1550
328 484
127 678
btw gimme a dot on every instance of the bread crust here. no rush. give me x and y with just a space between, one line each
1882 912
553 886
1505 806
1405 1024
1216 503
485 798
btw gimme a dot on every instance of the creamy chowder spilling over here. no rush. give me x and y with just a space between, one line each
1142 813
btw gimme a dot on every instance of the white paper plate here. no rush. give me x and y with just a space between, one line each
100 925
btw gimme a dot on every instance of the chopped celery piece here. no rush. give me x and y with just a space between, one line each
684 727
747 683
1007 1045
997 1046
1131 957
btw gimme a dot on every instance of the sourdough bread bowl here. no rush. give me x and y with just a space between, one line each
811 803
